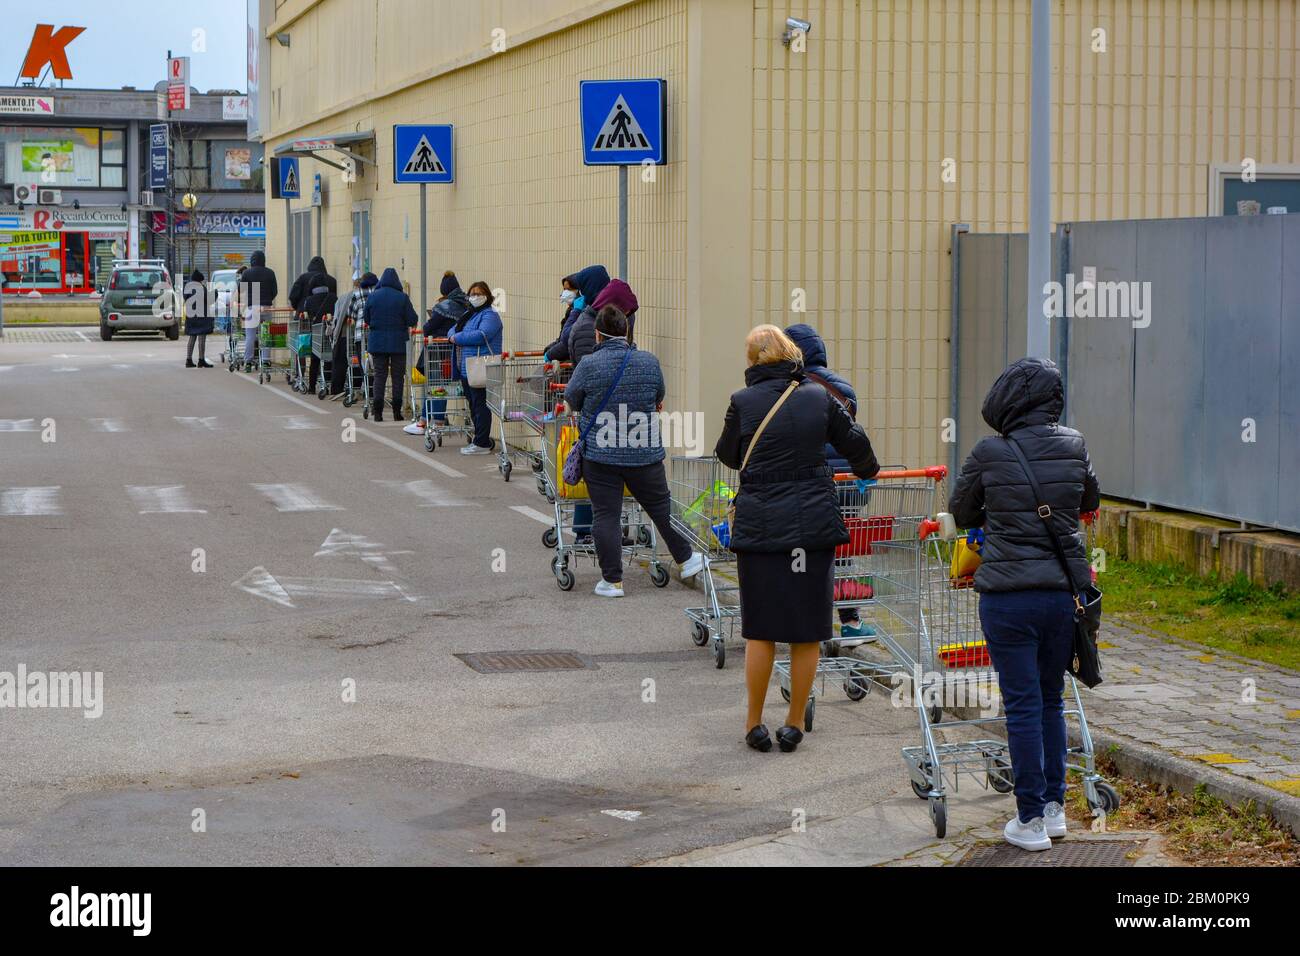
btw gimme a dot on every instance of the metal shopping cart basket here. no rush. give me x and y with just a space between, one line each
639 539
299 343
516 385
702 491
271 357
444 406
322 349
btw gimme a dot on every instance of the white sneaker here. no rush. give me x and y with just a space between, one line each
415 428
693 565
475 450
605 589
1027 836
1054 820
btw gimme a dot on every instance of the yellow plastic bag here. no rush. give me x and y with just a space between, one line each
568 438
417 377
965 558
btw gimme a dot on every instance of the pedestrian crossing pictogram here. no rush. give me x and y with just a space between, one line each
290 181
423 159
620 130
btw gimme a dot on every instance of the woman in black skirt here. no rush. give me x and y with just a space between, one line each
787 522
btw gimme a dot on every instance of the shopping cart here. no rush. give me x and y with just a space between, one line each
516 385
639 539
541 406
702 491
299 343
322 350
354 360
273 324
444 404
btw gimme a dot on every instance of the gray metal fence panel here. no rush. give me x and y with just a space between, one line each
983 342
1243 316
1289 378
1100 385
1169 380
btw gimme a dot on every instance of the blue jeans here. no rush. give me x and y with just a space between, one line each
1031 636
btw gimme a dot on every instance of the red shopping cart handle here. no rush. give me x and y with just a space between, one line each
937 472
522 354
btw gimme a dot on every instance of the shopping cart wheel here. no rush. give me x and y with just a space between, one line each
365 412
643 538
809 712
856 688
564 578
830 649
699 634
430 441
719 653
922 790
549 538
1107 798
659 577
936 714
939 816
322 393
1001 778
288 378
506 468
348 401
440 440
550 496
785 693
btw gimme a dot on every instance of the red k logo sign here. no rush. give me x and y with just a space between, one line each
50 47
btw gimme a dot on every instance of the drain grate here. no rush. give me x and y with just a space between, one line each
1070 853
511 662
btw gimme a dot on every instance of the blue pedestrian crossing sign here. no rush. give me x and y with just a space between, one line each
624 122
423 154
290 180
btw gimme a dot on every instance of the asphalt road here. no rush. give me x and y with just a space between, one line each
230 700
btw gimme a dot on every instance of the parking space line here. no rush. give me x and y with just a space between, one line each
527 512
425 457
285 395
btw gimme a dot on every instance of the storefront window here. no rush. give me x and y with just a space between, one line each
191 164
31 260
236 164
62 156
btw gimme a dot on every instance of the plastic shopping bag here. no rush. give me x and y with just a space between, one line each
966 555
710 509
568 438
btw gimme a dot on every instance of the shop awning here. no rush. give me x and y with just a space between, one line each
320 148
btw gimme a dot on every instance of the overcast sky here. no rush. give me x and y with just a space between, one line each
126 41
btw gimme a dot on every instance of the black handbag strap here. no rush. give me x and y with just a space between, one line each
1045 512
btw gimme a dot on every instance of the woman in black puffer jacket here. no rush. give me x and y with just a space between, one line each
1026 608
787 523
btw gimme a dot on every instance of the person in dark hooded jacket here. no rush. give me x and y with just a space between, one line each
1026 605
199 310
590 282
303 285
390 318
256 291
319 307
787 520
815 370
582 334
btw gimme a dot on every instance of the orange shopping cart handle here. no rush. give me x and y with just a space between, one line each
522 354
937 472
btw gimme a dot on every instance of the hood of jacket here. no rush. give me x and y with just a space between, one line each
590 281
618 294
317 265
1029 392
810 344
196 276
389 280
782 370
259 259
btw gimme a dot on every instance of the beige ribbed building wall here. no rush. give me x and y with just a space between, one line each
818 171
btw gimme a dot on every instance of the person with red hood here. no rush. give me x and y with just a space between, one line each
582 338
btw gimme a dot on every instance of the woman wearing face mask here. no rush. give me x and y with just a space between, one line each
570 296
481 335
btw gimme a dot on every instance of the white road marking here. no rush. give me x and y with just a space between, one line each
297 423
427 458
533 513
261 583
6 368
628 815
81 334
108 424
17 424
429 494
340 542
65 368
163 500
207 421
121 366
295 498
286 396
30 501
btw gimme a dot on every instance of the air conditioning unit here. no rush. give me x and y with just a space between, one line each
25 192
49 197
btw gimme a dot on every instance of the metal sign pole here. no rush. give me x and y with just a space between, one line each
1038 340
424 252
622 223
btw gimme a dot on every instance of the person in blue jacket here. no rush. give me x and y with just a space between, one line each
481 335
390 318
852 630
589 282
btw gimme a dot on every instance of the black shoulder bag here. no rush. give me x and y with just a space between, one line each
1085 662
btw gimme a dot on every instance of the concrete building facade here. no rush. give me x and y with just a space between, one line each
813 182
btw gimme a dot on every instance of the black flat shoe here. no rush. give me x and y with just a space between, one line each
759 739
189 363
788 738
205 365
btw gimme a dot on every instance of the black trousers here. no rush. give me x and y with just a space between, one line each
339 370
389 365
649 486
480 414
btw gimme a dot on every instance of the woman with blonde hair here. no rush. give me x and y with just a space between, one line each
787 521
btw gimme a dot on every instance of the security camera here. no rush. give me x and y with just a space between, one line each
794 25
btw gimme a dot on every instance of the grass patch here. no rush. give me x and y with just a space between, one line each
1232 615
1199 829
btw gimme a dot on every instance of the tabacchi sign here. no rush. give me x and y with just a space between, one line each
50 47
